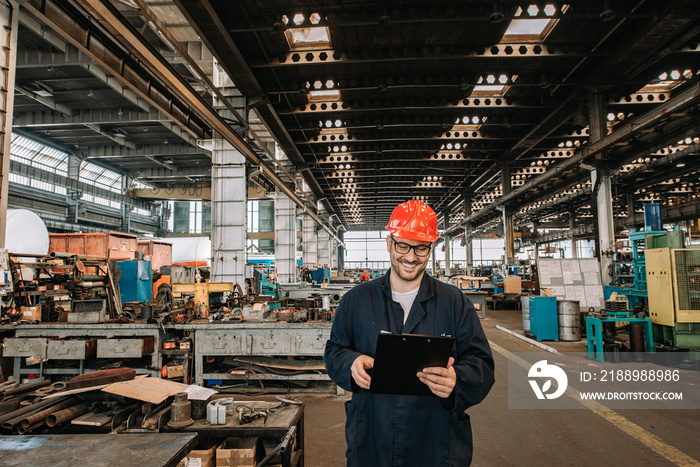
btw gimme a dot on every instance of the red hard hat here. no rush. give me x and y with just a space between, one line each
414 220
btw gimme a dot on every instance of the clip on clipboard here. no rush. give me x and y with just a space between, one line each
400 356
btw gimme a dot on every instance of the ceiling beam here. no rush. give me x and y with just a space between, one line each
49 102
47 34
113 152
168 172
431 53
114 116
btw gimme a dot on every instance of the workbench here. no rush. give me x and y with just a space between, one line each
230 338
62 341
477 297
270 431
157 449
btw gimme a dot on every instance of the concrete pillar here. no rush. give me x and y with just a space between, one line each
228 214
508 229
448 269
126 208
324 248
310 242
73 196
468 229
9 15
285 238
340 251
602 190
572 226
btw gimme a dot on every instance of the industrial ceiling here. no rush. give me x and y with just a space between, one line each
373 104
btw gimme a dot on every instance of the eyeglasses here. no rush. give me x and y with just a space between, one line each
403 248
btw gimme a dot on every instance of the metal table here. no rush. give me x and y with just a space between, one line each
255 339
477 297
157 449
272 430
44 340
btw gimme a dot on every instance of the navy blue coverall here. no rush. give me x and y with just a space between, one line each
396 430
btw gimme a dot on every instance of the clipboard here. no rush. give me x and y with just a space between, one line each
400 356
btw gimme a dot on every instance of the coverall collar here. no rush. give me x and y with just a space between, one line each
425 292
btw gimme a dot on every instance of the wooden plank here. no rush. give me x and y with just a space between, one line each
74 391
220 287
153 390
94 419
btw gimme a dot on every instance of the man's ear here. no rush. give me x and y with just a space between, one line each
388 243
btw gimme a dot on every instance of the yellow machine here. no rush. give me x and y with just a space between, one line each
673 285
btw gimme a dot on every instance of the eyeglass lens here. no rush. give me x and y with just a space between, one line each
404 248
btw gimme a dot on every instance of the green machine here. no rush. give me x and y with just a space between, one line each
673 287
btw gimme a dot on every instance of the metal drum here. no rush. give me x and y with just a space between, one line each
525 305
569 315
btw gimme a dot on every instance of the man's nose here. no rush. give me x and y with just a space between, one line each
411 255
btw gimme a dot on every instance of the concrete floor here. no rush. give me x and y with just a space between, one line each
505 437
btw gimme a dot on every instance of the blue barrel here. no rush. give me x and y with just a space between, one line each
652 217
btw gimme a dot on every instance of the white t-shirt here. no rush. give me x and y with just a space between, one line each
406 300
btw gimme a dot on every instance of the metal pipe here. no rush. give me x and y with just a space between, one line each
29 387
91 284
14 418
12 404
61 254
286 439
22 429
42 414
67 414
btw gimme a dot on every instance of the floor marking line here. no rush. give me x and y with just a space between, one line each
650 440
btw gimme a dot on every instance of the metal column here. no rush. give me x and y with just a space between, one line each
448 271
9 15
602 190
508 230
125 208
572 227
310 242
228 214
468 229
73 196
285 238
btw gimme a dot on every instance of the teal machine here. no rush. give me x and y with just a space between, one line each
260 284
135 281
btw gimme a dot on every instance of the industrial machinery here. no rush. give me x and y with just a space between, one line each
673 282
135 281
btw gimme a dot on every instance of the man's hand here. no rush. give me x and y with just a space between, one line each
441 381
359 370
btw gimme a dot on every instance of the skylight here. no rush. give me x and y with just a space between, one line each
308 38
324 95
530 29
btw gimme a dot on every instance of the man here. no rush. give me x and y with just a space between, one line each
401 430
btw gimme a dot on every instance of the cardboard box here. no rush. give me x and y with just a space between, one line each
31 313
175 370
199 458
512 284
237 451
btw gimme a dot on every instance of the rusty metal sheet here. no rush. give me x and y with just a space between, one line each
96 450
